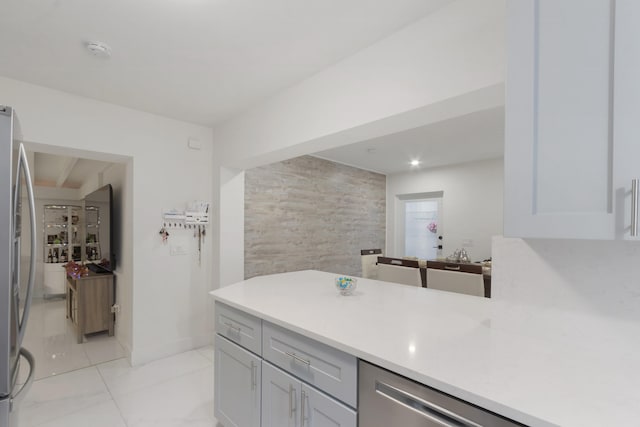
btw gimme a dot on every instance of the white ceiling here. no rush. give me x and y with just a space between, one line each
475 136
64 172
194 60
205 60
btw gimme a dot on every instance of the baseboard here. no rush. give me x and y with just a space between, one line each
145 354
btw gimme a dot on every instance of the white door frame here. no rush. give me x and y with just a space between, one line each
399 225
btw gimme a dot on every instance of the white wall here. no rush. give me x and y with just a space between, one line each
591 281
168 293
456 50
389 87
471 205
231 265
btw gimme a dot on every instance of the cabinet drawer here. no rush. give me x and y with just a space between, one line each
239 327
324 367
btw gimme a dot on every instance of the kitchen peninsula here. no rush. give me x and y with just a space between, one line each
534 367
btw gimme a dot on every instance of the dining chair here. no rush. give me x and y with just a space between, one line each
406 272
369 259
451 278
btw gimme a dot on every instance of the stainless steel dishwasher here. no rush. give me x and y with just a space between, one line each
387 399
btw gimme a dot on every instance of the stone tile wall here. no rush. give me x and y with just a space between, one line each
310 213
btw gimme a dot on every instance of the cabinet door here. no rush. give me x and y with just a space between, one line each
280 398
568 93
319 410
626 158
236 385
95 299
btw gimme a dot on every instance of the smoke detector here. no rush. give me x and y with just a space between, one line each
99 49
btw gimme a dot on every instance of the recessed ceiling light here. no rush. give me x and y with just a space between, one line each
415 162
99 49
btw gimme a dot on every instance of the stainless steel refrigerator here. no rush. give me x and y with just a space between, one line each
15 249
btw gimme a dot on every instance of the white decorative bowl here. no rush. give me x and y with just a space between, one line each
346 285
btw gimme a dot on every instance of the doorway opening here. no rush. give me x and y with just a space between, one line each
65 222
419 225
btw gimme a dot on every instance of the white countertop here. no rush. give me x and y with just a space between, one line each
537 367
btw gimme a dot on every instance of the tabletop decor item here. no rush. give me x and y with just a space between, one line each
76 270
454 257
346 285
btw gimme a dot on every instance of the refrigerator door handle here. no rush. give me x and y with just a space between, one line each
24 165
17 396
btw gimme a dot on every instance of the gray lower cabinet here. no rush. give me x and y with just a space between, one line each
320 410
289 402
237 396
269 376
239 327
280 401
326 368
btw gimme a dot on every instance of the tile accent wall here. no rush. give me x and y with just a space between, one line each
309 213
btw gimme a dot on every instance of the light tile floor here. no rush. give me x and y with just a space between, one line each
52 340
91 384
176 391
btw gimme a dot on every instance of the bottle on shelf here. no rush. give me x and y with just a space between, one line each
50 257
55 255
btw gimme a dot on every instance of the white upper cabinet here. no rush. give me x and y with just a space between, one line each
572 118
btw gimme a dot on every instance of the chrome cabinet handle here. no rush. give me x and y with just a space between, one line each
634 207
232 326
292 398
254 375
303 398
447 267
298 358
429 410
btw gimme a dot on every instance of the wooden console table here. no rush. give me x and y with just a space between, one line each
89 302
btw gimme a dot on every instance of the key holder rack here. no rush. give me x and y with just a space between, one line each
195 218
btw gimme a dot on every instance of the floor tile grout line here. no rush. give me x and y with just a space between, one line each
197 350
113 398
75 370
202 351
75 411
184 374
45 305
